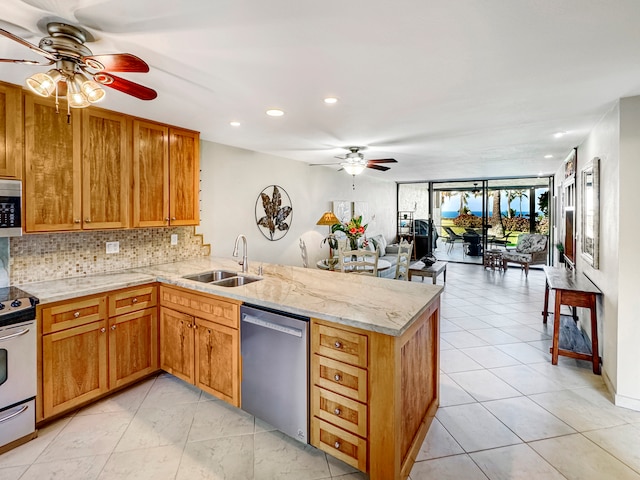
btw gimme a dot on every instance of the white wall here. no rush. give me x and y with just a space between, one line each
232 178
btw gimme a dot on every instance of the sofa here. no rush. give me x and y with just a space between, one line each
388 252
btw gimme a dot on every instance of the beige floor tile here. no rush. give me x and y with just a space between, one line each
525 333
444 345
219 419
12 473
449 468
27 453
577 458
157 463
602 398
526 380
154 427
622 442
168 390
456 361
490 357
470 323
484 385
527 419
516 462
475 428
494 336
230 458
82 468
525 353
462 339
280 457
338 468
352 476
438 443
567 375
451 393
126 400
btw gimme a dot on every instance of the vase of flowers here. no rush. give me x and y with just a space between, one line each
353 229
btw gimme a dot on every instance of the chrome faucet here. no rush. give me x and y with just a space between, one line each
244 262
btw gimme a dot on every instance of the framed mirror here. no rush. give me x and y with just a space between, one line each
590 212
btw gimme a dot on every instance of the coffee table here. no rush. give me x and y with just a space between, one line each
418 269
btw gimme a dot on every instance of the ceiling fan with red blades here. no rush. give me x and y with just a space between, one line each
78 73
354 162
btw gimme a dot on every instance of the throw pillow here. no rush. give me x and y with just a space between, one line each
379 243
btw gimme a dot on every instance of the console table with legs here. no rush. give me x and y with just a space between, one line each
573 290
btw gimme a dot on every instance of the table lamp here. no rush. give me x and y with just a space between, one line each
329 219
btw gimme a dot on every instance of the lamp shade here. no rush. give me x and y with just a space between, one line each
328 218
353 168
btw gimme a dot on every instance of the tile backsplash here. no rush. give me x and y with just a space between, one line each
39 257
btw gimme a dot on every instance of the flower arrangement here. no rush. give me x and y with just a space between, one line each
353 229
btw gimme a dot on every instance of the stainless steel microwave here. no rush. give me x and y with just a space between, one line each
10 208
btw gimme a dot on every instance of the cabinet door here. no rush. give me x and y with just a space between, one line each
184 178
52 186
133 346
105 170
150 174
217 352
176 344
10 131
74 367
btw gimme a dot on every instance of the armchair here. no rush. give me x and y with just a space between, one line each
531 249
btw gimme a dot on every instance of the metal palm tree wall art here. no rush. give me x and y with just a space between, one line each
273 208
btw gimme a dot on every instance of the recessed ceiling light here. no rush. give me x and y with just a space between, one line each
548 156
559 134
331 100
234 124
274 112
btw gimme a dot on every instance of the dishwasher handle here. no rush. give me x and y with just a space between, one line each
271 325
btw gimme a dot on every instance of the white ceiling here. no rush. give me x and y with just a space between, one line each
451 89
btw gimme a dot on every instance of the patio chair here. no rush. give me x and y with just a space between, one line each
531 250
452 238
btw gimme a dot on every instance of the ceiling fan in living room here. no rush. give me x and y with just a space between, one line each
76 72
354 162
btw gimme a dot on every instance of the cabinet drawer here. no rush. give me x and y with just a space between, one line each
348 347
340 444
338 377
219 311
133 299
72 314
341 411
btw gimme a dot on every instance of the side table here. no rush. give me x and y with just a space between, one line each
493 259
419 270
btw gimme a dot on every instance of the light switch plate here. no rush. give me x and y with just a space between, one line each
174 239
113 247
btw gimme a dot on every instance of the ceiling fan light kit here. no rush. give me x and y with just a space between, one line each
354 168
355 163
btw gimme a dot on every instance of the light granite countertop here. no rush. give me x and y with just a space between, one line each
377 304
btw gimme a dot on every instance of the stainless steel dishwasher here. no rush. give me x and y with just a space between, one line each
275 369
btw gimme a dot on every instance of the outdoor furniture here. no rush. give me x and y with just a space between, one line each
404 257
452 238
530 250
575 291
419 269
493 259
361 262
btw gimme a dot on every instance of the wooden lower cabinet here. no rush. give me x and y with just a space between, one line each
75 367
201 351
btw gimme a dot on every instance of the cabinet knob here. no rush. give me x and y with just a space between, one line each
77 220
103 329
135 300
87 220
113 327
338 345
76 314
173 218
166 219
337 377
189 325
337 411
336 445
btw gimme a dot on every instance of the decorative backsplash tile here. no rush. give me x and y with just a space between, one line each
38 257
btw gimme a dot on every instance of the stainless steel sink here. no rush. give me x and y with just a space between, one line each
235 281
212 276
224 278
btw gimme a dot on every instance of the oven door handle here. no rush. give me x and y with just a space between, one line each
9 417
13 335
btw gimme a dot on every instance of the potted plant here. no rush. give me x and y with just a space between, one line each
560 248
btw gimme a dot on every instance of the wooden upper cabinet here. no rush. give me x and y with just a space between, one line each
10 131
106 162
184 178
150 174
52 187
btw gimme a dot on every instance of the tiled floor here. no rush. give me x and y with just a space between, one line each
506 413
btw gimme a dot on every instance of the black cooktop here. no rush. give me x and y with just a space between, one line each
16 306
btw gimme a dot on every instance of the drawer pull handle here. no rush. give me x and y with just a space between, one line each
337 411
337 377
76 315
113 327
103 329
135 300
338 345
337 445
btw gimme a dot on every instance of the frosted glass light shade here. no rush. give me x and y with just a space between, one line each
93 91
43 84
353 168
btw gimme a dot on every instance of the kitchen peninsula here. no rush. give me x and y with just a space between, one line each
374 347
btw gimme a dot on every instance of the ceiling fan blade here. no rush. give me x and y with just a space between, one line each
378 167
26 62
119 62
29 45
322 164
384 160
125 86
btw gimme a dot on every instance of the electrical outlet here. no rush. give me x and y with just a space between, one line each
113 247
174 239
